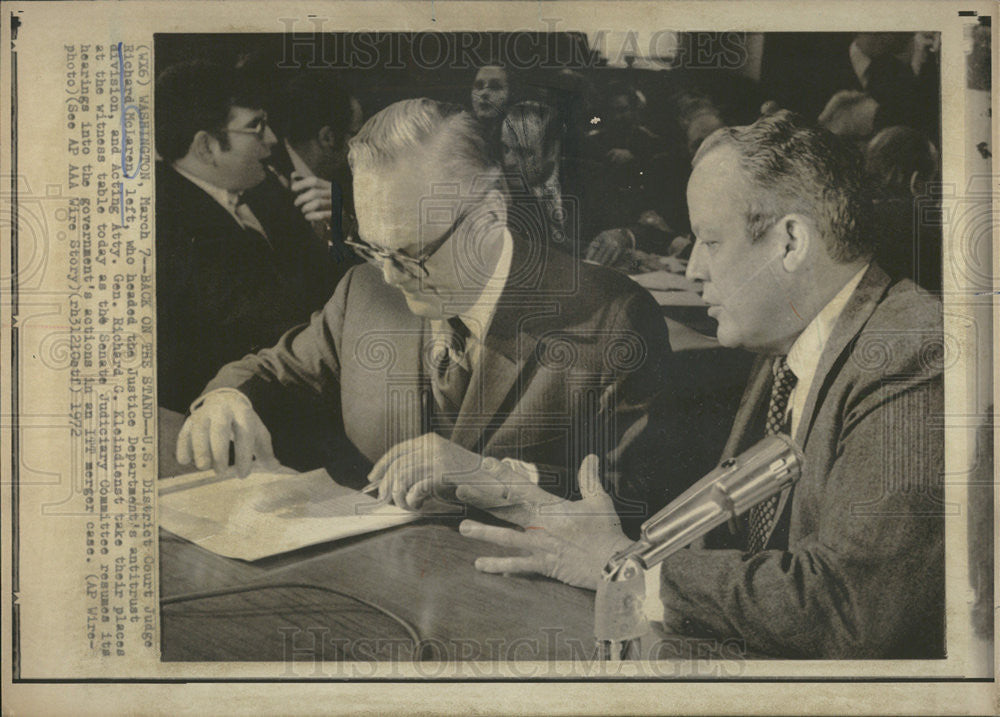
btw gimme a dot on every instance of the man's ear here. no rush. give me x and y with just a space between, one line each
204 147
798 238
496 204
326 137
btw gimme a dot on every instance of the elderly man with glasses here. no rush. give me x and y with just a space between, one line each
459 346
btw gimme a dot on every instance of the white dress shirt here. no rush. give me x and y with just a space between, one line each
803 358
478 317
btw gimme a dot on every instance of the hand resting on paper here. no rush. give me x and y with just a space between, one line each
221 418
570 541
427 466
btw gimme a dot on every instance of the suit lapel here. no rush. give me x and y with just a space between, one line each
199 209
505 352
852 319
403 380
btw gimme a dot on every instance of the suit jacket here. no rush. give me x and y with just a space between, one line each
855 564
223 291
568 367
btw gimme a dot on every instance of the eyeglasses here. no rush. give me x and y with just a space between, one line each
410 265
494 85
258 130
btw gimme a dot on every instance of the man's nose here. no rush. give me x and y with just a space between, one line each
697 269
269 137
391 274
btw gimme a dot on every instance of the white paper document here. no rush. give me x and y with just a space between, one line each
266 514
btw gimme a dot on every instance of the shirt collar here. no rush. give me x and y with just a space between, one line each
860 62
478 316
804 356
224 197
298 164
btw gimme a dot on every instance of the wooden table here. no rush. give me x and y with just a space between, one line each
422 573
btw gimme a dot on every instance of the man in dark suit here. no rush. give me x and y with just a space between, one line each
237 263
317 117
849 562
459 347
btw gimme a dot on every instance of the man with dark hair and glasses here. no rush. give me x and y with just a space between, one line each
459 346
237 262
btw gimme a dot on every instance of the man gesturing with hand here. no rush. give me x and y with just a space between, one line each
569 541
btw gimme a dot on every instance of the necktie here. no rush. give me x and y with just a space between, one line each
247 217
763 514
450 374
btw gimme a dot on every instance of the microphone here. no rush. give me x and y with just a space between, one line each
732 488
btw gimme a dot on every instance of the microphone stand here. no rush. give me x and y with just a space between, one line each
735 486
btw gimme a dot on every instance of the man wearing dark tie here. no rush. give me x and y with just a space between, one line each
849 561
459 346
237 263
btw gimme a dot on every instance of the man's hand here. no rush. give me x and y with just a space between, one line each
223 417
609 246
426 466
313 197
570 541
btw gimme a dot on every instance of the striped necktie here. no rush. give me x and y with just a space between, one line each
763 514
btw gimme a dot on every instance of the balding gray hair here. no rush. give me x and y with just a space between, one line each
407 127
793 167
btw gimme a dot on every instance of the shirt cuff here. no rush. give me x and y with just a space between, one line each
653 604
214 392
523 469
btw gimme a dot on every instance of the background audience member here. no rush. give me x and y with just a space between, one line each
491 94
531 142
902 166
316 118
632 177
853 88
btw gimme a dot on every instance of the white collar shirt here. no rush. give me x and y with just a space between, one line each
477 317
804 355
